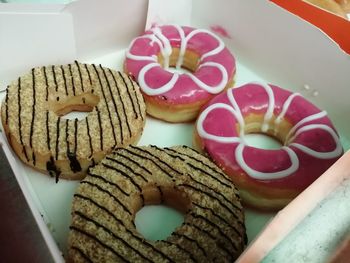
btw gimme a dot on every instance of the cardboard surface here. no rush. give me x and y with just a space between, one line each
270 45
335 27
168 12
32 37
311 226
105 26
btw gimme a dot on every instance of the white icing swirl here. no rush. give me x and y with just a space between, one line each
129 55
320 155
166 51
267 176
270 107
165 48
204 134
151 91
312 117
293 133
285 107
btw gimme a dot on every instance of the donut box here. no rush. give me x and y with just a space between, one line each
270 45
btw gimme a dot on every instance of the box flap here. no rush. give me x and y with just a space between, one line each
104 26
169 12
297 211
334 26
39 35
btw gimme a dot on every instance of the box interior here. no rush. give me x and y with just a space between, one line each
290 53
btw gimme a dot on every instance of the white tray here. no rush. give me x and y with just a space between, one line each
279 53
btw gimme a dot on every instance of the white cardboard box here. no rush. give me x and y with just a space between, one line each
270 44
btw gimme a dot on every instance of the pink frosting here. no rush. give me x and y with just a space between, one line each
317 134
185 90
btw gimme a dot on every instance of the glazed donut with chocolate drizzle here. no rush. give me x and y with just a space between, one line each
106 201
173 96
267 178
34 105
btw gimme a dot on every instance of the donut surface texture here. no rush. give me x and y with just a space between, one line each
106 201
173 96
267 178
33 117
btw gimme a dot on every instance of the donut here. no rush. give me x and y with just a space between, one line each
345 4
106 201
34 108
333 6
174 96
267 178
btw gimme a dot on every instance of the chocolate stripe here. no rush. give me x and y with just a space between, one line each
80 75
129 95
82 254
208 194
105 100
57 135
228 183
64 80
48 131
54 78
90 139
120 222
98 241
33 117
72 155
121 100
108 182
208 233
216 192
170 154
67 137
156 157
134 162
100 126
108 193
20 120
137 99
33 111
213 225
181 235
149 159
210 175
89 75
180 248
71 76
46 84
110 232
124 175
75 136
115 108
127 167
218 216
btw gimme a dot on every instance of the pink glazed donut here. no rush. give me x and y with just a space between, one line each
174 96
267 178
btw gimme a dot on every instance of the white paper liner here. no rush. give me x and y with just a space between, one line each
248 27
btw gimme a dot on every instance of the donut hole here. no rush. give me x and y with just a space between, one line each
160 211
157 222
189 64
262 141
272 135
75 106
